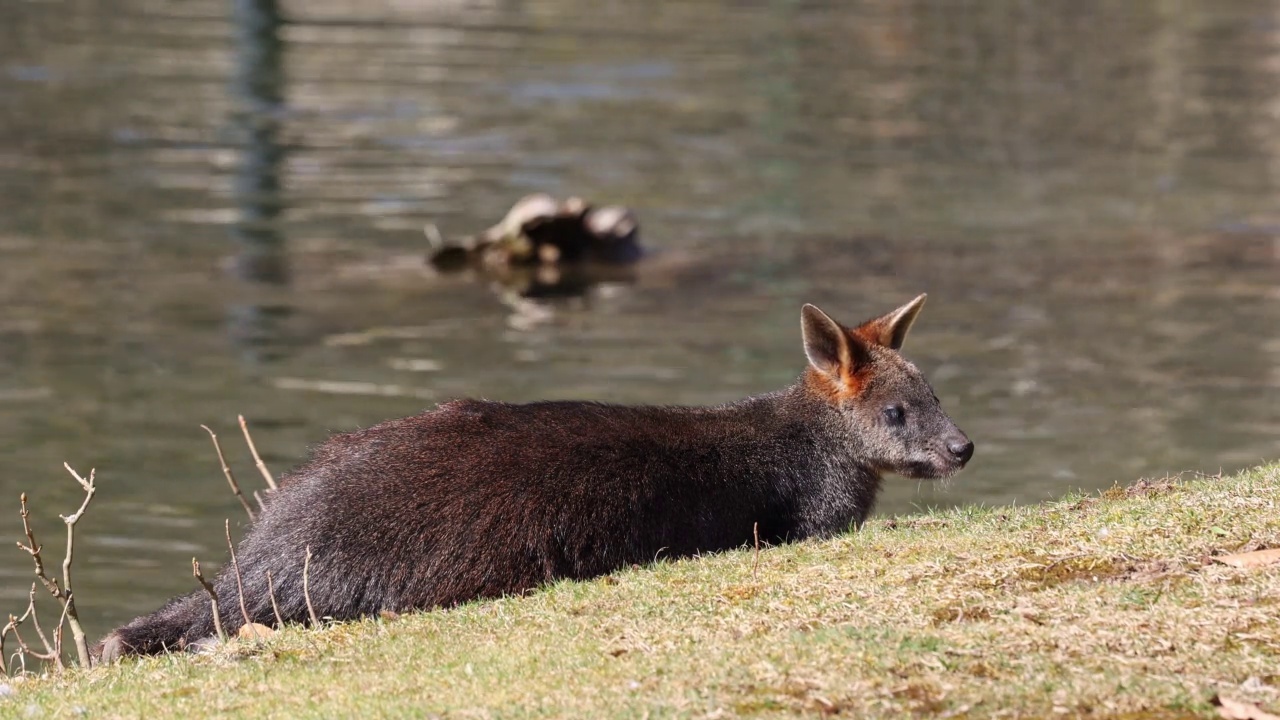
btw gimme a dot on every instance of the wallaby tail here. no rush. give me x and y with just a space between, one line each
181 621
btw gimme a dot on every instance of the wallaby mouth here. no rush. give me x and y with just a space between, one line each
932 469
941 464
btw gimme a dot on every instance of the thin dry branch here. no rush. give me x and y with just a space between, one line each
4 661
213 599
226 470
262 467
63 592
755 567
271 593
435 238
235 567
68 597
57 634
12 627
33 549
306 588
23 648
22 658
52 650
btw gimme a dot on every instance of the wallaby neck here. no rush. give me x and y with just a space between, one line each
793 444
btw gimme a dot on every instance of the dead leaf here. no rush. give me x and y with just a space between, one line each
255 631
825 706
1257 558
1239 710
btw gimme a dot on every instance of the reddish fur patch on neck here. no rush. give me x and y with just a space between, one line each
849 385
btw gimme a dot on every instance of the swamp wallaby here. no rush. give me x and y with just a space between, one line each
480 499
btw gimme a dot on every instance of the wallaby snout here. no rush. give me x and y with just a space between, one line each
961 448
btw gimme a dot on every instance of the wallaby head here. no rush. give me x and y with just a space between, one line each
892 416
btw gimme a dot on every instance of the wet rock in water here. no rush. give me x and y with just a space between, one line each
451 258
540 231
615 232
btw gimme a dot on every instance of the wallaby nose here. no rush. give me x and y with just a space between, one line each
962 449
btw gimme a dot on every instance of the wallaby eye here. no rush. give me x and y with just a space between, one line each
895 415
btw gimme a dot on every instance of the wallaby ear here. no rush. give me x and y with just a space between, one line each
891 329
826 343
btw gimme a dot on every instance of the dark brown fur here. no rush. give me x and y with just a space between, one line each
480 499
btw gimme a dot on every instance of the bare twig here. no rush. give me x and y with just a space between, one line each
271 593
262 467
33 549
68 598
226 470
51 584
755 568
12 627
4 663
435 238
23 648
54 651
257 496
57 632
62 592
213 599
235 567
306 588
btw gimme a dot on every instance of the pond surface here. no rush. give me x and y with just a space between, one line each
197 221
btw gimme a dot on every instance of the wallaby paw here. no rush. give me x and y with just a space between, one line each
111 649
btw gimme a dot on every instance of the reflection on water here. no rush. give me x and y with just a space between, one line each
257 89
1086 190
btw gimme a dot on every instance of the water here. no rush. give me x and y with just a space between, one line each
197 221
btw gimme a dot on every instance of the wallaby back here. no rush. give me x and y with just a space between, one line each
481 499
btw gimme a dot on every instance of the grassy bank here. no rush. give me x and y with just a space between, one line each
1101 606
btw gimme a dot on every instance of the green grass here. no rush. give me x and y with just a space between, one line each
1100 606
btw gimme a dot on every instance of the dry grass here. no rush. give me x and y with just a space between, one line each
1106 606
